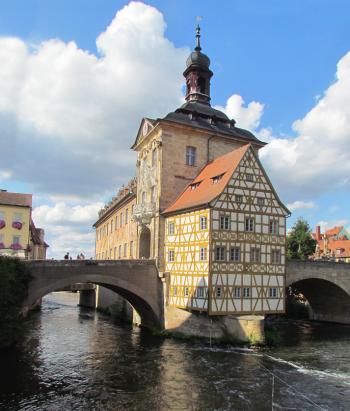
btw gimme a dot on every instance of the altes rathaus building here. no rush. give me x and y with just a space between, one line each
203 207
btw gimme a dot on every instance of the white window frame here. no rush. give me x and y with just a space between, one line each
250 177
235 252
273 227
186 291
249 224
237 292
255 255
171 228
171 256
191 156
203 252
203 223
275 256
260 201
224 222
200 292
239 198
246 292
218 292
273 292
221 253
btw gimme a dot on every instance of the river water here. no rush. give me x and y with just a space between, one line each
73 359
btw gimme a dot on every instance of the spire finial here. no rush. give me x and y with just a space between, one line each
198 37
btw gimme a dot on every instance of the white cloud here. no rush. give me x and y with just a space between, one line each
326 225
68 117
246 117
301 205
317 160
68 227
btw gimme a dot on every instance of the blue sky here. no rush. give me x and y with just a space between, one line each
281 54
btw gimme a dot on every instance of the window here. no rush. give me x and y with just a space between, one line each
237 292
195 185
273 227
220 254
143 197
275 256
171 228
203 223
121 220
111 225
216 179
115 253
249 177
186 291
2 215
126 216
200 292
116 222
246 292
154 157
125 249
16 239
249 224
224 222
235 254
175 291
190 156
203 254
260 201
218 292
107 228
131 249
201 84
110 253
239 199
171 255
17 217
120 252
255 255
132 209
273 292
1 239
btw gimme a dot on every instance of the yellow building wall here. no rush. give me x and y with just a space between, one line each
188 273
115 240
8 233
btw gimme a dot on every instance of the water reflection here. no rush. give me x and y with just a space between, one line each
74 359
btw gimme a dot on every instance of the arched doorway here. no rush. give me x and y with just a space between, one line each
145 243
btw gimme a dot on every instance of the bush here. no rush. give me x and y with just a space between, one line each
14 281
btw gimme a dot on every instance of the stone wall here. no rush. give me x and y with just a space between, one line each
198 324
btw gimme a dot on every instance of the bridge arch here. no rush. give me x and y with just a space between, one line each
325 285
136 281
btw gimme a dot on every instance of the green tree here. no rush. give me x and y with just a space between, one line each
300 243
14 281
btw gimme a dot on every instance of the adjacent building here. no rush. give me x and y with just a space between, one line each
333 244
18 235
203 208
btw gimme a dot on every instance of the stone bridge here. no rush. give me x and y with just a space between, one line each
326 286
136 280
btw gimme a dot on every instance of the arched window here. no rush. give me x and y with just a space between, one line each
201 85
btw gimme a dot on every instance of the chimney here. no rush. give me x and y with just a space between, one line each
318 233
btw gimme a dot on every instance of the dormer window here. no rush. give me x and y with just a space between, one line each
195 185
216 179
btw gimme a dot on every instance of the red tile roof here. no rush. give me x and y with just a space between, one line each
15 199
206 190
333 231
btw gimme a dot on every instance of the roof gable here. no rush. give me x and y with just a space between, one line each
210 182
147 124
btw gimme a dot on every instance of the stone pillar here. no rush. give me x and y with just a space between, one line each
87 298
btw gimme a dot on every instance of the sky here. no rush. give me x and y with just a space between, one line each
76 78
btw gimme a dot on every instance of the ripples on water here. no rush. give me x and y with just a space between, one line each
75 359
